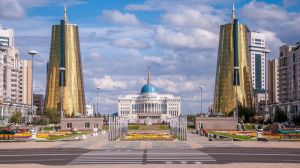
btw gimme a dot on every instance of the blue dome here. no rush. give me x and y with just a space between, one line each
148 88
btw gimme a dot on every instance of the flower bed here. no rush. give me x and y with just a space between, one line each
148 137
24 135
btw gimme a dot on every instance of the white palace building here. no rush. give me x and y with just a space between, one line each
149 105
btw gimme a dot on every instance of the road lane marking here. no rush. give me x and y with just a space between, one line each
40 154
255 154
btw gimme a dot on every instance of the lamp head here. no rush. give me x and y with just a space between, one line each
32 52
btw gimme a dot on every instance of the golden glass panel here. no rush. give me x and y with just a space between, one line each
73 92
225 91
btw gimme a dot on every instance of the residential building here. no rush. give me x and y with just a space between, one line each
15 77
289 81
273 82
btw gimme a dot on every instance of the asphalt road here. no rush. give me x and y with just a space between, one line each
74 156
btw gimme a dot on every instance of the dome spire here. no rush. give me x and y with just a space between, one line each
148 75
233 12
65 12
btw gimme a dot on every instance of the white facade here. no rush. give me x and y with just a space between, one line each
149 104
6 37
273 81
257 56
89 110
15 77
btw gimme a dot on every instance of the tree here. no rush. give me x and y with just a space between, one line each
245 113
53 115
43 120
280 115
16 117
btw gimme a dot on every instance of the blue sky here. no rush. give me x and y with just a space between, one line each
120 38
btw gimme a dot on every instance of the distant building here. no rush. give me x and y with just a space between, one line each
260 103
149 105
89 110
273 82
15 77
38 102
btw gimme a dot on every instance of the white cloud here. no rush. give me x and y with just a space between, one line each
178 85
130 43
117 17
264 11
192 39
203 16
272 42
11 9
138 7
154 59
107 83
95 56
272 18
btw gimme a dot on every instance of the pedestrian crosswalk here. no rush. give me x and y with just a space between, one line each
110 157
178 156
153 156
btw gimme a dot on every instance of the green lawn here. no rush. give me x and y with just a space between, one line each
68 136
240 137
147 127
249 127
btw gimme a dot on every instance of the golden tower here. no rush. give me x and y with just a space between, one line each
233 82
65 89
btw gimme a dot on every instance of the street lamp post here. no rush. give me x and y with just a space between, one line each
2 107
32 53
61 70
201 97
98 89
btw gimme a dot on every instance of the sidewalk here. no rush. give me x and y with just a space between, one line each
232 165
194 141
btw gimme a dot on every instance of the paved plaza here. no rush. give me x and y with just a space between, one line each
197 151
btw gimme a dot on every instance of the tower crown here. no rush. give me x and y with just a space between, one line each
148 81
65 18
232 12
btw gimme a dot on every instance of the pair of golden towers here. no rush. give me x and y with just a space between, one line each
65 89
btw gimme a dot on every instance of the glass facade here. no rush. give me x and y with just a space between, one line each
65 52
232 56
258 71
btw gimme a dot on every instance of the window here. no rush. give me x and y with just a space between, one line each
96 126
69 125
86 125
294 57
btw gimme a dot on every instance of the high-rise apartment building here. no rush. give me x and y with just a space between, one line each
273 82
65 89
257 55
288 73
15 77
233 77
289 79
